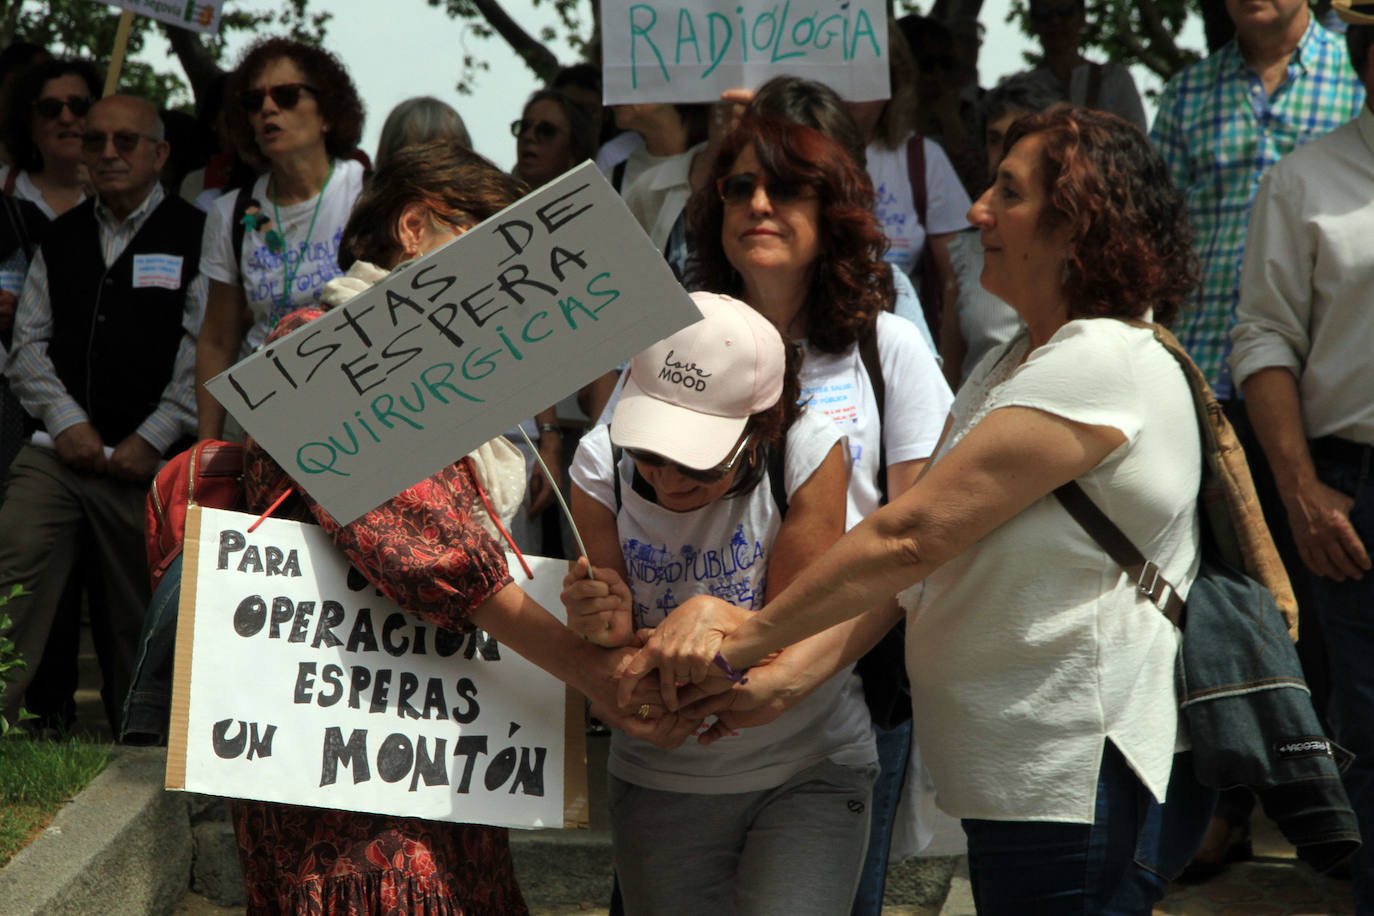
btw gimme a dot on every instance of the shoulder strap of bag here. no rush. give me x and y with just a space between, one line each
1148 579
242 198
17 223
868 354
916 174
1094 85
618 174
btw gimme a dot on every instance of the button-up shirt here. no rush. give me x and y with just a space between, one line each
34 377
1219 131
1307 284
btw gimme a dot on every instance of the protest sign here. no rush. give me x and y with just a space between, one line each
196 15
692 50
298 682
459 346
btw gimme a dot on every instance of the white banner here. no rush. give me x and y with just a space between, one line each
298 682
460 346
196 15
692 50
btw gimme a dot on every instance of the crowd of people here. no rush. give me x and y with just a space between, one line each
921 316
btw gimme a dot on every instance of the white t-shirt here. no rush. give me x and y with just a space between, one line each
917 403
1032 647
723 549
260 272
947 203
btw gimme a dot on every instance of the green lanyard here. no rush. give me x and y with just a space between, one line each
290 272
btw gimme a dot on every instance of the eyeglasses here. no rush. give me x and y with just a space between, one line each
284 95
51 106
544 131
125 141
1044 12
707 476
741 188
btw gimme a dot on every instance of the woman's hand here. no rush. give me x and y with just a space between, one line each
772 690
683 648
599 609
642 715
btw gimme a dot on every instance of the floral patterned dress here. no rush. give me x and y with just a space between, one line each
425 552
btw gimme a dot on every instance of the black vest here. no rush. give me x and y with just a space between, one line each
113 345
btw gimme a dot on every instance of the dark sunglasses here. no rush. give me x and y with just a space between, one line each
51 107
284 96
707 476
1045 12
740 189
544 131
125 141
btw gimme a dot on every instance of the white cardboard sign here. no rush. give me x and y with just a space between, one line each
196 15
298 682
692 50
459 346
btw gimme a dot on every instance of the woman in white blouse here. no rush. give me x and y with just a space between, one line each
1042 681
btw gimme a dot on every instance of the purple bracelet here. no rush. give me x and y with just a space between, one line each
735 676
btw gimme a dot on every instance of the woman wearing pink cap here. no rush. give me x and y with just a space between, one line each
710 480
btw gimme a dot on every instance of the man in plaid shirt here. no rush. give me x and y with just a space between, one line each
1282 81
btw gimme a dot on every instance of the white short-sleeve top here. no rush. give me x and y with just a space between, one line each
1032 648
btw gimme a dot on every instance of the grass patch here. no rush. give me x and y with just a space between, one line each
36 779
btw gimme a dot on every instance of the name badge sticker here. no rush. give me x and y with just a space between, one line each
159 270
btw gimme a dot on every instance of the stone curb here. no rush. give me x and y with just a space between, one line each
959 900
121 846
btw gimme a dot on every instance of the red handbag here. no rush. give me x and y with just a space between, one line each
210 473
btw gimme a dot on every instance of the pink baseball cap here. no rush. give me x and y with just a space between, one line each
689 396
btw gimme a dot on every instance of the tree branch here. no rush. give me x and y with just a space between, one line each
196 60
532 51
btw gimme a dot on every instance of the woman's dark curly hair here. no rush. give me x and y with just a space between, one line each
456 185
850 283
1131 246
19 119
335 94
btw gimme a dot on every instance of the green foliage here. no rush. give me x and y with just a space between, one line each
36 779
9 660
1131 31
86 29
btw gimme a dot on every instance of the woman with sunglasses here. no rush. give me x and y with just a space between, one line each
552 134
294 108
710 480
787 223
1106 87
43 133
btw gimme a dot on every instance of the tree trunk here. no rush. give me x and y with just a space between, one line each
531 50
10 22
201 70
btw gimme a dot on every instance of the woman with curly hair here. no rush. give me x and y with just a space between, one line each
1042 678
292 107
786 224
339 863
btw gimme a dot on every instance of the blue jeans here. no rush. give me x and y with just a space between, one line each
148 707
1347 615
1120 865
894 749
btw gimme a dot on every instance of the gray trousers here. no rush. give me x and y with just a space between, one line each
46 504
796 848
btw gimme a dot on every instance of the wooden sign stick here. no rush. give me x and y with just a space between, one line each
121 43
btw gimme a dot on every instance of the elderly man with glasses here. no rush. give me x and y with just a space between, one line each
103 359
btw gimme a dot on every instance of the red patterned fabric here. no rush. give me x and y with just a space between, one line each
422 549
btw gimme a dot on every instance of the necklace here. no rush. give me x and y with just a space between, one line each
276 239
